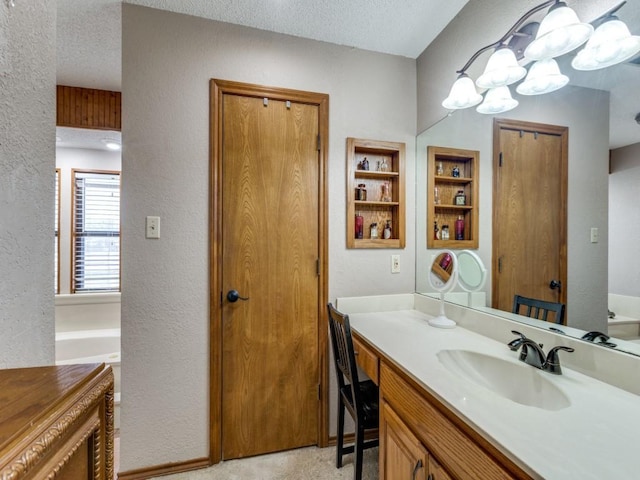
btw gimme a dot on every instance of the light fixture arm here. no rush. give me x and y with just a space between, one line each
512 31
608 15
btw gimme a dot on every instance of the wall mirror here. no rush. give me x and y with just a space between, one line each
590 106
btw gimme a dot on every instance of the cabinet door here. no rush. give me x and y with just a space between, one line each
436 472
402 456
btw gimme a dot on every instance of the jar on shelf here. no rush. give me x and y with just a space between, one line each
374 231
444 232
361 192
383 166
460 198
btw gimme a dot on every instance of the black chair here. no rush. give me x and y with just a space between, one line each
538 308
359 398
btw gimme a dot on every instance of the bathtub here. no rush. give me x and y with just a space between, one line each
92 346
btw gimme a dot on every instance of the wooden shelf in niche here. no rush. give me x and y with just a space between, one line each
374 209
446 212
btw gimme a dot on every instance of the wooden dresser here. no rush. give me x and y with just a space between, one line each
57 422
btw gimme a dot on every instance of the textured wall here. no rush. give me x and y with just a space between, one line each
27 162
168 60
624 221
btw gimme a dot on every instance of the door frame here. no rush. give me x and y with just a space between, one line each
219 88
563 133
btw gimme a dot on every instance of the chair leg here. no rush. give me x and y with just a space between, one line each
340 439
358 452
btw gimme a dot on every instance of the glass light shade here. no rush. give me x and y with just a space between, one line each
560 32
610 44
497 100
502 69
544 77
463 94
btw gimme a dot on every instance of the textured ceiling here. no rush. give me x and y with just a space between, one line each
89 46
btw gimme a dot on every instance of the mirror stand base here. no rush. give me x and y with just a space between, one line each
442 321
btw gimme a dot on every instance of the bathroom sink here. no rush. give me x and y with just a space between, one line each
517 382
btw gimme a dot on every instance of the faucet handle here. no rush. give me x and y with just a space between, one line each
515 344
594 335
552 365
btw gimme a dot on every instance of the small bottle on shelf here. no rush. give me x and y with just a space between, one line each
436 196
374 231
459 228
436 234
359 226
460 198
383 166
387 230
439 169
455 172
444 232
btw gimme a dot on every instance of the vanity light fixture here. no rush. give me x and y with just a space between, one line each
544 77
497 100
559 32
611 43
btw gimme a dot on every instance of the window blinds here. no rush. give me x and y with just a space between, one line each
96 232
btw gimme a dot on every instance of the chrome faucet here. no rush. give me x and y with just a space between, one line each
532 354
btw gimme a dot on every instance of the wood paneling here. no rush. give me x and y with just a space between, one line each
88 108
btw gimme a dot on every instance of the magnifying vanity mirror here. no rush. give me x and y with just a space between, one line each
472 274
443 274
600 257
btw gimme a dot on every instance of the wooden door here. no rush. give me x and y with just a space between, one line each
270 253
529 212
401 453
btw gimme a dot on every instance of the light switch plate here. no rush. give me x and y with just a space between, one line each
395 263
153 227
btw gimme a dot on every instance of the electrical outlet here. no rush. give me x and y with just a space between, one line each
594 234
153 227
395 263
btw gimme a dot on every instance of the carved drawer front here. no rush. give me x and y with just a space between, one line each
367 360
459 452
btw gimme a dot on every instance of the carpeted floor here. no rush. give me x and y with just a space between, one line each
301 464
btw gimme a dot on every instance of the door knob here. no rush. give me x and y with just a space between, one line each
555 284
233 296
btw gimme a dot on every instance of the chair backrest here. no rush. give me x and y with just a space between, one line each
343 354
538 308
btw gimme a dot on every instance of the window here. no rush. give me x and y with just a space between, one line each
96 232
56 251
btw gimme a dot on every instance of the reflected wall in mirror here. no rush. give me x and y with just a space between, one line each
603 165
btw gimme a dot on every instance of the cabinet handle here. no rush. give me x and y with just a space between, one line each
416 468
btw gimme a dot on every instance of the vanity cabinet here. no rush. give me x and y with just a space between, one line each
375 193
57 422
452 194
411 417
421 438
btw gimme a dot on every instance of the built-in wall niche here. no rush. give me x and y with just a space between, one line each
452 198
375 194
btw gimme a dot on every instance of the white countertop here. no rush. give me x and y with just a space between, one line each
596 437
